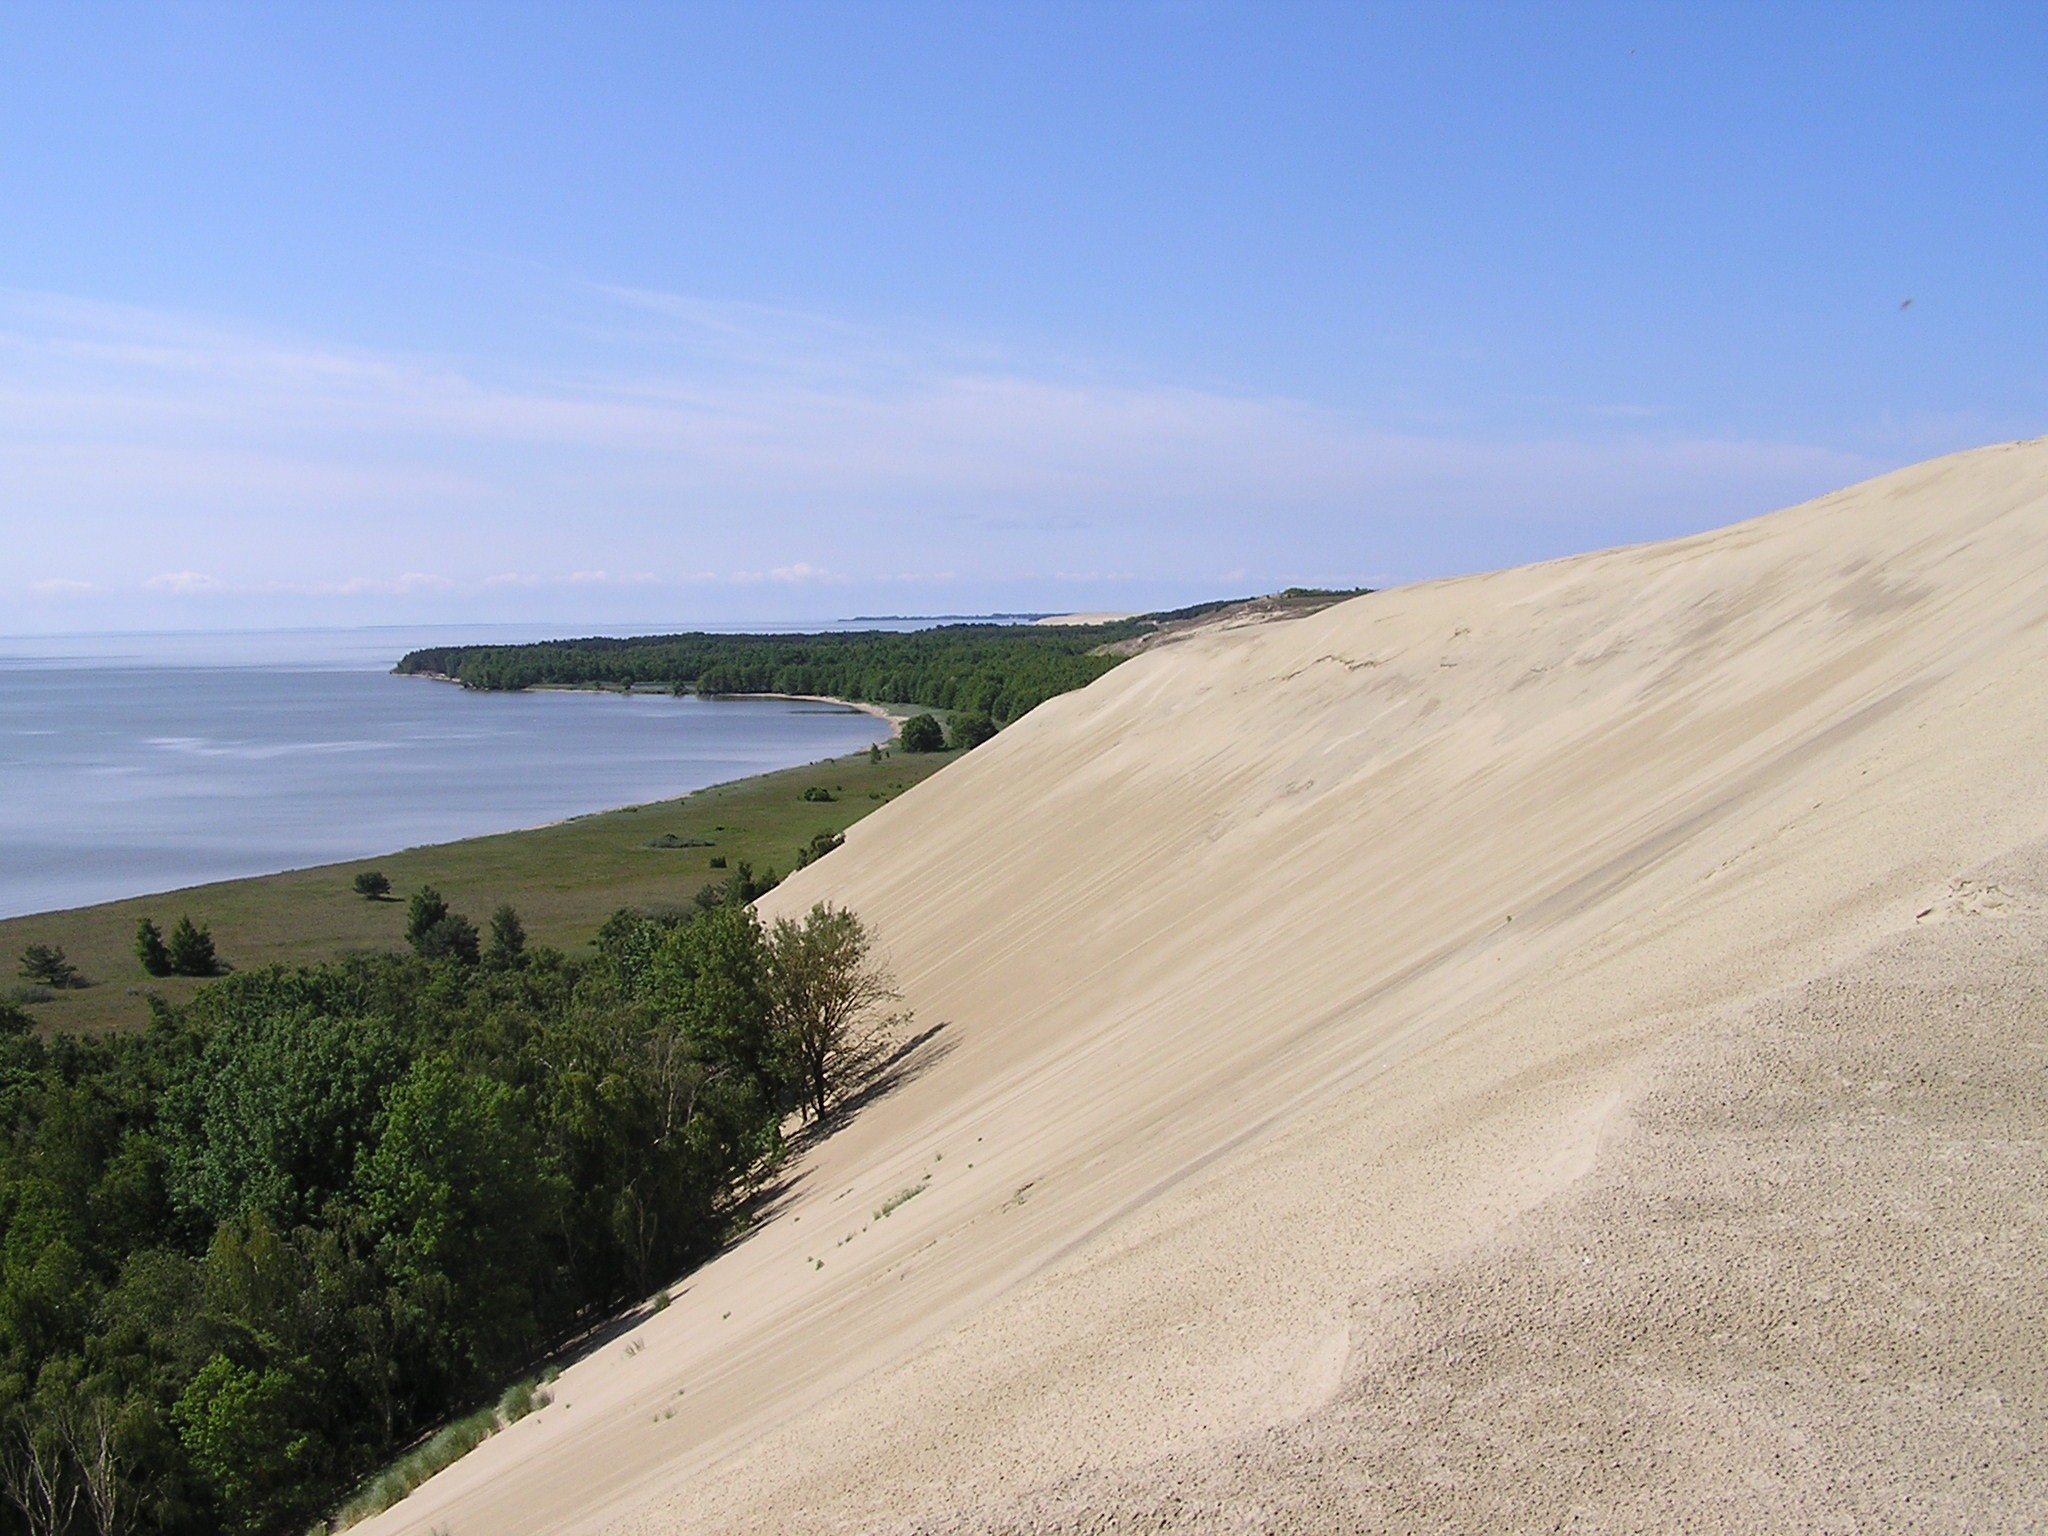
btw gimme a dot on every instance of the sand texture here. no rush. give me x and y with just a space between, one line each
1564 1049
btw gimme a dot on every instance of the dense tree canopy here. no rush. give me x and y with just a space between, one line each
923 733
999 670
248 1254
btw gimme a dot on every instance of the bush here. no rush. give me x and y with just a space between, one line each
452 937
149 949
522 1398
821 843
191 950
969 728
508 939
45 963
817 794
923 733
372 886
426 908
442 1450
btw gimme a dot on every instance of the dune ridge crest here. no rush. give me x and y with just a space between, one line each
1311 1000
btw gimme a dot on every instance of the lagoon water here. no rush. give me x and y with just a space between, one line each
137 764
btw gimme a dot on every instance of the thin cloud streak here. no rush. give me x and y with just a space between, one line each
140 449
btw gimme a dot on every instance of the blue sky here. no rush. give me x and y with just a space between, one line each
593 314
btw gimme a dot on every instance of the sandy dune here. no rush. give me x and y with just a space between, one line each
1566 1048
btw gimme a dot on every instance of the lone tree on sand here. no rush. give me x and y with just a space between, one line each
827 997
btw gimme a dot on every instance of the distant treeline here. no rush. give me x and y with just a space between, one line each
250 1254
1001 670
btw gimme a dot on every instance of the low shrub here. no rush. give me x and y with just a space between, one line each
923 733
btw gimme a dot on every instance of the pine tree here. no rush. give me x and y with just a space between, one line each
191 950
149 948
422 913
508 939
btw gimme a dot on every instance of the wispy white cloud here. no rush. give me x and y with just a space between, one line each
410 581
748 446
184 581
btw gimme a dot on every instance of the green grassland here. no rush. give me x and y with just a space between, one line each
564 879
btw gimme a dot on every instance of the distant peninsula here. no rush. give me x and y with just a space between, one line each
994 665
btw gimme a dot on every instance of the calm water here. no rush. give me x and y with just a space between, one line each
121 775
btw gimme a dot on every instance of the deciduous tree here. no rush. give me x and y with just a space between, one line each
923 733
828 1001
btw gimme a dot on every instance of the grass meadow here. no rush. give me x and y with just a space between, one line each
565 880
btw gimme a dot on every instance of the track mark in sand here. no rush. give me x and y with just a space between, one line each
1348 663
1973 898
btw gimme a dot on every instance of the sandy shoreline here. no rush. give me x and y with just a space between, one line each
895 717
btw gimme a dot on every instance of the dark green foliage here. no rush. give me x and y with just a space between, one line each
190 951
372 886
45 964
150 950
923 733
827 999
508 939
969 728
437 933
258 1249
268 1116
14 1020
817 794
821 843
421 913
718 861
1002 670
453 939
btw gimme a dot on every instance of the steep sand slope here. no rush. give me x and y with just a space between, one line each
1457 1061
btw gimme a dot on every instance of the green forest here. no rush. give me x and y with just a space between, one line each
1001 670
256 1250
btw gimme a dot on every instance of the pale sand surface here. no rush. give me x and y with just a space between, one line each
1319 998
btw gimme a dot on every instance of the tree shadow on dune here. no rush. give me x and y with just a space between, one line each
895 1066
892 1068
